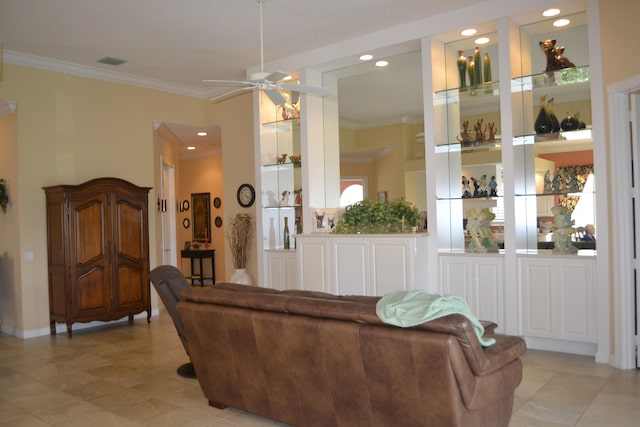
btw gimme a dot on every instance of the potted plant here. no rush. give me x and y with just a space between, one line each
371 217
239 233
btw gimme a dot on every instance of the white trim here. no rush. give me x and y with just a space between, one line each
63 67
622 261
561 346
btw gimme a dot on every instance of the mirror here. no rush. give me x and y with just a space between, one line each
381 127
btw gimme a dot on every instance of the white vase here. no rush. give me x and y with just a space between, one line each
241 276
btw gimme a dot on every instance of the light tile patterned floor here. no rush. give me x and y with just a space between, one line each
121 375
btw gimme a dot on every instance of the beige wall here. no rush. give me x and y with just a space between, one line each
69 130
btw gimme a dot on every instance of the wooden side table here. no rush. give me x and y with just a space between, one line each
200 255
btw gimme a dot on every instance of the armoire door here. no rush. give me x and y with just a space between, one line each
130 242
89 248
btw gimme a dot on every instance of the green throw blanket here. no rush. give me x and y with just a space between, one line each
411 308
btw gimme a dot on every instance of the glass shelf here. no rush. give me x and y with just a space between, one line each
572 78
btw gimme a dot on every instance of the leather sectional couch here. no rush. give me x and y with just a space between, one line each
314 359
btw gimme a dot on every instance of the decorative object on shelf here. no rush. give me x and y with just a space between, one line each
493 187
195 245
548 182
466 190
239 235
319 219
567 179
465 137
298 197
471 71
246 195
217 203
479 228
371 217
462 70
286 237
493 129
546 121
295 159
478 65
187 245
4 195
480 129
201 215
218 221
476 187
284 200
569 123
555 56
563 231
486 63
581 124
281 159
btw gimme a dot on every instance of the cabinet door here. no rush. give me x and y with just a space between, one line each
538 285
281 270
350 262
130 242
89 224
576 319
313 258
392 266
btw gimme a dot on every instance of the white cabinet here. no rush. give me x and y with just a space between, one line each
477 279
558 298
280 269
362 265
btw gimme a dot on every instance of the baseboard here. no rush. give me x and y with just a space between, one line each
561 346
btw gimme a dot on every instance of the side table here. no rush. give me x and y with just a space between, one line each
197 254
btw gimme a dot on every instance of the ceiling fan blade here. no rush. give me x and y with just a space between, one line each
276 76
275 96
227 83
304 89
230 94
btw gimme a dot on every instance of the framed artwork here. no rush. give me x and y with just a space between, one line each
201 211
382 196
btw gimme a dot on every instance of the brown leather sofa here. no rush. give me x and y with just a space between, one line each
313 359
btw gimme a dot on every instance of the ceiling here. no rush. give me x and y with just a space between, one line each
181 43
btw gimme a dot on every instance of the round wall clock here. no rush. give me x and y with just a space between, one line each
246 195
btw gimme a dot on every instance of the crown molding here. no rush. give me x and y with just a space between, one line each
63 67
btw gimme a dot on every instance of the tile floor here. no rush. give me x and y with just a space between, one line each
120 375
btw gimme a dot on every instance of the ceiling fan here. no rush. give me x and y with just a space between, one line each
269 83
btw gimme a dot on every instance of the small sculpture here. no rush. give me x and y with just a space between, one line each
480 129
466 190
465 136
295 158
563 231
298 196
281 159
493 187
476 187
548 182
555 56
492 131
284 201
319 220
478 226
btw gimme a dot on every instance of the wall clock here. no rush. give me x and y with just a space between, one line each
246 195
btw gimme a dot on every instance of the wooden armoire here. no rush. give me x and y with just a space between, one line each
98 251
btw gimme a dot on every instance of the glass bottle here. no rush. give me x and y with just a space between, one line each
287 241
462 70
478 65
487 68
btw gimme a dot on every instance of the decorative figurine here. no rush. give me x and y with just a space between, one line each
465 136
466 191
298 196
476 187
555 56
319 220
480 130
492 131
284 201
281 159
563 231
493 187
548 182
478 226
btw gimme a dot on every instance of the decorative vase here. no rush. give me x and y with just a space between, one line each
462 70
471 70
478 67
555 124
569 123
543 124
487 68
241 276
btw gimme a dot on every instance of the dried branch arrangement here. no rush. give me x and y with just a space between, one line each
239 233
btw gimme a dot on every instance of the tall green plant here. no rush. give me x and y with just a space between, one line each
370 217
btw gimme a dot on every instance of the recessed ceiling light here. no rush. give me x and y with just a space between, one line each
366 57
202 134
468 32
482 40
382 63
191 147
561 23
551 12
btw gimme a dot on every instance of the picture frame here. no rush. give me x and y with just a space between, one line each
382 196
201 216
187 245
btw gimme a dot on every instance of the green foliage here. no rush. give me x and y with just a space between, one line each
370 217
